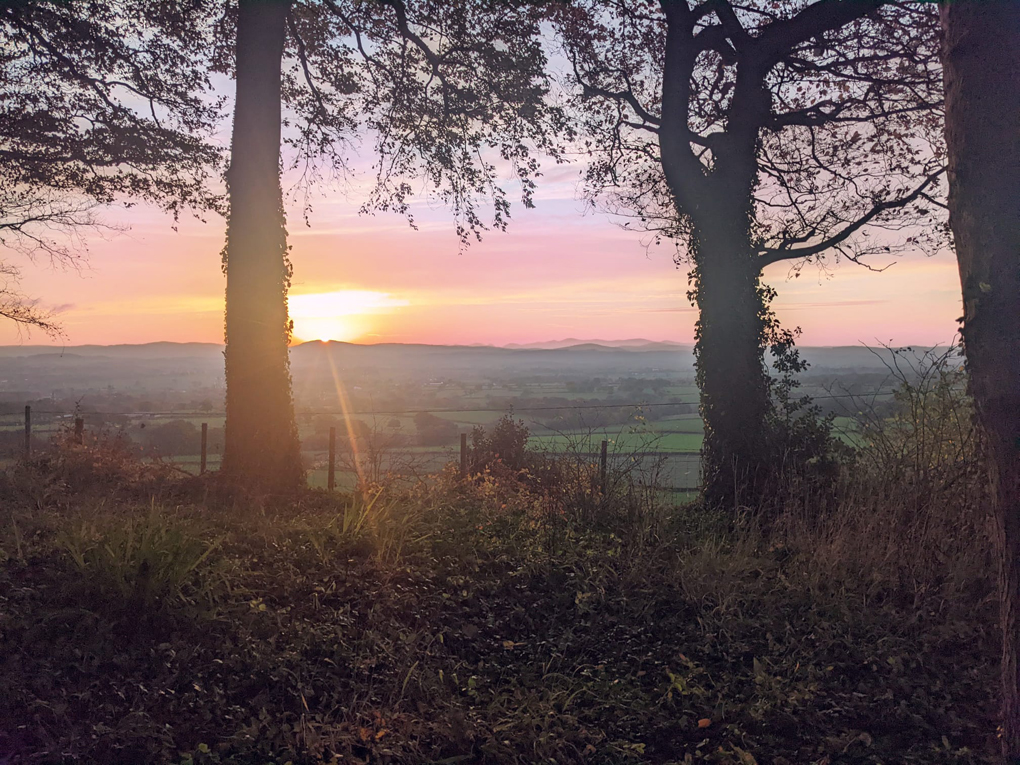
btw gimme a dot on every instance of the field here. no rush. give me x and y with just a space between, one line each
679 435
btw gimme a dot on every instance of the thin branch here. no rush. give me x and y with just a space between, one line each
769 256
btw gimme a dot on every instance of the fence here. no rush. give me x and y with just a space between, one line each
673 470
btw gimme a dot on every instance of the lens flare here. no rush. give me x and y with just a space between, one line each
342 315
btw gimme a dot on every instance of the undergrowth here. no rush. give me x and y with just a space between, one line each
494 620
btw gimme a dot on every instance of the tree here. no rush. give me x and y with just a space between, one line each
982 85
100 102
261 441
434 431
754 133
438 86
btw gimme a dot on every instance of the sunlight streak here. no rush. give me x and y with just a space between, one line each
345 408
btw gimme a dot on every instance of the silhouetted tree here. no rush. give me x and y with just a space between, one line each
262 448
434 431
98 102
444 89
982 75
754 133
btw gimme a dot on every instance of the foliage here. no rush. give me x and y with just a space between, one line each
102 102
487 621
370 521
505 441
434 431
916 494
930 442
142 562
803 445
104 462
450 93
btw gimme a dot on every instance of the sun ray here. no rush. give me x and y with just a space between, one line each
345 408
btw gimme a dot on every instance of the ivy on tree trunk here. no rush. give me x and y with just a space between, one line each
731 371
261 449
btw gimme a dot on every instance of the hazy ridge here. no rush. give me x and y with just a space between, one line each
27 370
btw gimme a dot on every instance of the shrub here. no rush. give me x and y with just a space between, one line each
505 442
911 509
103 462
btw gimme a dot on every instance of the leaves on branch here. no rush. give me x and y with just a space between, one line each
839 102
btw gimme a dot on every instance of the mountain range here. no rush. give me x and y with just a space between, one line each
26 369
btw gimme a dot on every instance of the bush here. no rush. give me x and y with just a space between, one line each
504 442
911 508
103 462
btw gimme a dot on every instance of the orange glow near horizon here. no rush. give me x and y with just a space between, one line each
555 274
341 315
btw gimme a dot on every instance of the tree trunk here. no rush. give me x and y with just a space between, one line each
261 447
981 58
730 365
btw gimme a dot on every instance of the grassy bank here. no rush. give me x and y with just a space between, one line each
151 619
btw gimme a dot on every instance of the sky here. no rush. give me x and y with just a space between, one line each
559 272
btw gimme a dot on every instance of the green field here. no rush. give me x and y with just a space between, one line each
680 434
622 439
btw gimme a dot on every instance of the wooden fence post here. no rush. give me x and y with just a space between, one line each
603 467
331 474
28 431
205 448
79 430
463 455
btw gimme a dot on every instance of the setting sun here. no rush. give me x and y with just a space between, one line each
341 315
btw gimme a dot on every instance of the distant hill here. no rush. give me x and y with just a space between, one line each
183 366
572 342
486 362
160 349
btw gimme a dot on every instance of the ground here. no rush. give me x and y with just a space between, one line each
466 623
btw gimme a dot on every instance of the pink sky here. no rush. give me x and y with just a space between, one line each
556 273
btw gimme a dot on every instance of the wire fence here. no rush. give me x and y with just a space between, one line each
637 450
404 411
642 447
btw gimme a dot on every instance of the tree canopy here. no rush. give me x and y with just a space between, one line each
449 99
102 102
830 112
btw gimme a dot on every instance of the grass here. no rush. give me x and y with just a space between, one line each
465 624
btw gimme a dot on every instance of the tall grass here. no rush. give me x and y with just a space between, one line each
143 560
911 508
383 524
